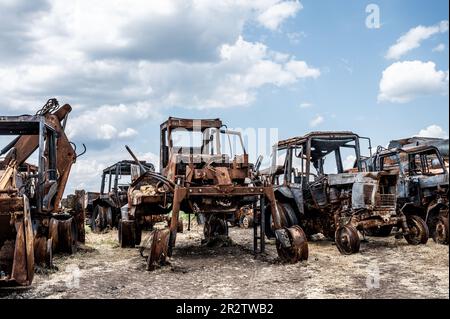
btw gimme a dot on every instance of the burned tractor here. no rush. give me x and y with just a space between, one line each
200 176
32 225
315 190
106 208
422 188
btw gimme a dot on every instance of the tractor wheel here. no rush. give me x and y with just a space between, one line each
158 248
269 228
291 217
215 227
67 236
98 222
109 217
246 221
347 240
441 231
43 255
298 249
418 230
127 233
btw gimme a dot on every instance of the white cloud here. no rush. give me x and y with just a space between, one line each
86 172
401 82
413 38
439 48
129 132
305 105
433 131
273 16
349 161
316 121
123 66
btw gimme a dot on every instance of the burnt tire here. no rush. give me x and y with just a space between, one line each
127 233
246 221
98 222
298 251
291 217
268 219
159 249
67 236
214 227
441 231
418 231
347 240
382 231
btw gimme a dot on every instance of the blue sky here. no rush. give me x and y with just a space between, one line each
125 70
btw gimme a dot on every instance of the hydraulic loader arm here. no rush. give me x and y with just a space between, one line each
25 145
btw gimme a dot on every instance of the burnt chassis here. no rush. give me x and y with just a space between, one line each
106 208
31 226
337 205
421 190
203 182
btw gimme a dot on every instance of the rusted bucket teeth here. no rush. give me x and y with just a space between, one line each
158 248
292 244
17 252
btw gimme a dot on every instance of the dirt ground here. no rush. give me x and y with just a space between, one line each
385 268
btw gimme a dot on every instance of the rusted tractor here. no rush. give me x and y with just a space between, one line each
199 176
315 190
422 188
32 225
106 208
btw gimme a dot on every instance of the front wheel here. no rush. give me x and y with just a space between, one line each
347 240
418 231
441 231
158 248
292 245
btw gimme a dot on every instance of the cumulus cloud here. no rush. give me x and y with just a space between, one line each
439 48
316 120
401 82
433 131
272 17
349 161
413 38
123 66
87 171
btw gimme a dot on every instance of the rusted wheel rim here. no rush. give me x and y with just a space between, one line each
214 226
441 232
247 222
347 240
158 248
418 231
67 235
299 246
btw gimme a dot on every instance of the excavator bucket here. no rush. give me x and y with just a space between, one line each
16 242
